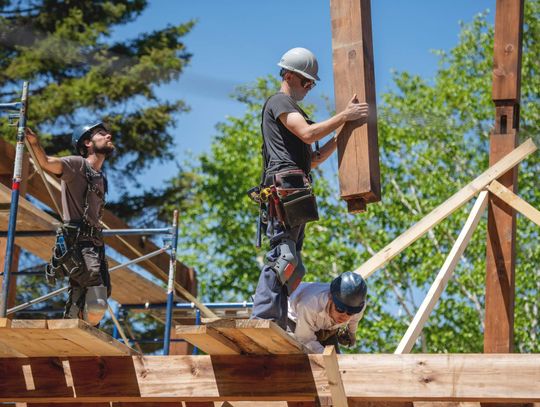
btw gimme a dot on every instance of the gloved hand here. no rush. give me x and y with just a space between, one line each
50 275
346 337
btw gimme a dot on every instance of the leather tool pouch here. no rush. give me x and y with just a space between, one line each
296 197
66 260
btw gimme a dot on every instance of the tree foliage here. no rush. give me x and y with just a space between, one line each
78 74
433 138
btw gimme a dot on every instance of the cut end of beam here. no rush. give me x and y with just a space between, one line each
356 205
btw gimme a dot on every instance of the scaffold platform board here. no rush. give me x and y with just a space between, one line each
240 337
62 337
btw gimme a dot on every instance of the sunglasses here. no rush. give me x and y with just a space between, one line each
342 311
306 83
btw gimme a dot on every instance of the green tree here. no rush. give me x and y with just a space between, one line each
79 73
433 137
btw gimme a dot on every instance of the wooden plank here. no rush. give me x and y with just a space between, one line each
339 398
207 339
407 342
507 50
32 338
28 217
94 341
441 212
257 336
496 378
358 151
515 201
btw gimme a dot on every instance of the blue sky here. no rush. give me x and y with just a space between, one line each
236 41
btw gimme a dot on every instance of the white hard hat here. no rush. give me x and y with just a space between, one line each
300 60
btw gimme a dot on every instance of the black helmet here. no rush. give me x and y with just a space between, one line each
83 132
349 292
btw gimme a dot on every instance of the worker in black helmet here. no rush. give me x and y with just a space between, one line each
323 314
79 252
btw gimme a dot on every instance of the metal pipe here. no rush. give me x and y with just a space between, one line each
24 273
13 107
170 285
36 300
61 290
139 259
197 322
190 305
107 232
115 334
15 190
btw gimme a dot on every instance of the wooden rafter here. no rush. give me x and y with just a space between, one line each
407 342
444 210
515 201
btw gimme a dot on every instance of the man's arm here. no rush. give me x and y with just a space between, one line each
51 164
310 133
324 152
305 330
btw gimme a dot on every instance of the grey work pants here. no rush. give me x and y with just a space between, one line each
95 273
270 301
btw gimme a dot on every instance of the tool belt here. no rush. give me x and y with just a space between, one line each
296 198
67 259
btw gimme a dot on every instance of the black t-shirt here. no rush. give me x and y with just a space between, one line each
283 150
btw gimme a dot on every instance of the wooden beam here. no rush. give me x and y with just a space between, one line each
63 337
515 201
207 339
507 50
407 342
245 336
384 377
339 398
358 150
441 212
500 253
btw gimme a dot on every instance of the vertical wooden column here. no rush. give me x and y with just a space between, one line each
500 256
6 177
358 150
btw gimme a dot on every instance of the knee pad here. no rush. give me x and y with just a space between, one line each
287 261
296 278
96 304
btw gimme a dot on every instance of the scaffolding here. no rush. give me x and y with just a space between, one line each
17 114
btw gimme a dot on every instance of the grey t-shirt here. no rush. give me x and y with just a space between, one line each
284 150
74 184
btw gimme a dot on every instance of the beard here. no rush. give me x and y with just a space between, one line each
106 150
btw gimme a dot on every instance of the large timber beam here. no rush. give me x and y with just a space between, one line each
496 378
358 150
501 251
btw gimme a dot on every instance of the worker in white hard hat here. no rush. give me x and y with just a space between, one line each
287 161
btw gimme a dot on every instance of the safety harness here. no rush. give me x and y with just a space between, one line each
67 259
